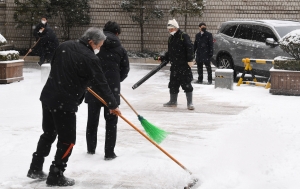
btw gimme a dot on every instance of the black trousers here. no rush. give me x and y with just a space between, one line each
200 70
180 78
92 129
45 55
60 124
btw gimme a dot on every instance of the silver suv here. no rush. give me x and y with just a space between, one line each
256 39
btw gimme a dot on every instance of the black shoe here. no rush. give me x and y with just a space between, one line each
107 158
39 63
199 82
170 104
59 180
209 82
91 152
34 174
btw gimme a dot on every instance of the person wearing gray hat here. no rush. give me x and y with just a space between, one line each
74 67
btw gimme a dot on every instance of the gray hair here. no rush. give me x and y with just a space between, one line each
94 34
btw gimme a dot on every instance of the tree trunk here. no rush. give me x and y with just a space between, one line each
30 34
142 37
68 33
185 22
185 17
142 26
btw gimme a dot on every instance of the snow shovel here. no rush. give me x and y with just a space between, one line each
155 133
189 185
31 48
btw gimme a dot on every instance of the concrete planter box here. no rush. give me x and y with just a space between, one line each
224 78
285 82
11 71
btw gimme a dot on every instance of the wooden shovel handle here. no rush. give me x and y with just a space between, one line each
31 48
129 104
144 135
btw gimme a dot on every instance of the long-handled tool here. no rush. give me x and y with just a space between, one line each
155 133
151 73
31 48
189 185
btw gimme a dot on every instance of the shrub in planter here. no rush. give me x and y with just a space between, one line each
285 63
290 43
9 55
285 77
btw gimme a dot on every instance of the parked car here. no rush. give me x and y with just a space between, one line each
257 39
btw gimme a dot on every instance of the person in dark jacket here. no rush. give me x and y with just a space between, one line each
74 67
203 47
114 61
180 54
47 43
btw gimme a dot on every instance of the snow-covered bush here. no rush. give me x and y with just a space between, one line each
285 63
9 55
2 40
290 43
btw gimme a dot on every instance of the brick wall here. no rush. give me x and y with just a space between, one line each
156 34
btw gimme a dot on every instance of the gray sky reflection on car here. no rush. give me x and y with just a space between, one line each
283 30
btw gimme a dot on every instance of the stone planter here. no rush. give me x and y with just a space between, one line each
11 71
285 82
285 76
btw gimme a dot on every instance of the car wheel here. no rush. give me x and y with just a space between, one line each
225 62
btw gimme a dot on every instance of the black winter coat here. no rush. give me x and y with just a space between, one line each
180 51
115 65
48 41
74 66
203 47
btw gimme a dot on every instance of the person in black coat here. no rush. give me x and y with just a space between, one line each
203 47
47 43
115 65
180 53
74 67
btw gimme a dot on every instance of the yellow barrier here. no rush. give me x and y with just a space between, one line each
258 61
248 68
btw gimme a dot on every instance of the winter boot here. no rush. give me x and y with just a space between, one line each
110 157
189 98
34 174
56 178
172 102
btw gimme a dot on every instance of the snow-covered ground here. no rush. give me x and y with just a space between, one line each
245 138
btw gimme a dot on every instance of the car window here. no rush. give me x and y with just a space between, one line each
229 30
244 31
283 30
261 33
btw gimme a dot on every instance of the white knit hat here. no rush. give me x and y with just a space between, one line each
172 24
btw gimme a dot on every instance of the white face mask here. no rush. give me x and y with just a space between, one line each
96 51
43 22
172 33
40 31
